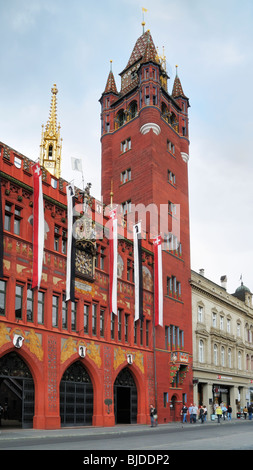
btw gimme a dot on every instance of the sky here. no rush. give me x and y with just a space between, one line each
71 43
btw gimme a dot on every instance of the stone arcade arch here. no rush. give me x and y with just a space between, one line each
16 391
76 396
125 398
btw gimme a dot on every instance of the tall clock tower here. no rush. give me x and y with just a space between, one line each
51 142
145 154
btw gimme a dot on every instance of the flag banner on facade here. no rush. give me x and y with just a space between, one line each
113 245
76 164
38 226
70 273
1 237
138 273
158 274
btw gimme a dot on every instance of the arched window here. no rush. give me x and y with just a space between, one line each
132 110
201 350
215 354
223 356
120 119
239 360
229 358
165 112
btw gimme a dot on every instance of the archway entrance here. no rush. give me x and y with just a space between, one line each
125 398
16 392
76 397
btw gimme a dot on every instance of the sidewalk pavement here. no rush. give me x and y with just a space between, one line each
92 431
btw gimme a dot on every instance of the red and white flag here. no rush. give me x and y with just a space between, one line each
158 291
38 226
113 244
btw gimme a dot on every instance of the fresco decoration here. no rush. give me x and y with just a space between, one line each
32 340
120 356
71 346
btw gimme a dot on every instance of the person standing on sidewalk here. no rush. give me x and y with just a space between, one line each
194 413
245 412
153 416
218 412
202 414
250 410
229 412
184 413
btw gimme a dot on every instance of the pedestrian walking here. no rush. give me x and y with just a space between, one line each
153 416
224 410
229 412
218 412
202 414
205 412
190 412
250 411
184 413
194 413
245 412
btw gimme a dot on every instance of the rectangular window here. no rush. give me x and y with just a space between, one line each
126 328
126 145
17 220
112 325
12 218
94 319
141 333
125 176
102 323
7 216
171 178
55 310
173 287
135 332
73 316
64 312
2 297
147 333
200 314
18 302
126 207
86 318
170 147
41 302
29 304
119 325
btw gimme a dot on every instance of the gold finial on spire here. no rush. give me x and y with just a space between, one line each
51 143
176 69
144 10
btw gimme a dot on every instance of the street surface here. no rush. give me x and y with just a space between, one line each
235 435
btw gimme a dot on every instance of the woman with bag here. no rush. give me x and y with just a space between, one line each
153 416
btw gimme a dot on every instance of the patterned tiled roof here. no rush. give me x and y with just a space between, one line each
111 84
177 88
144 49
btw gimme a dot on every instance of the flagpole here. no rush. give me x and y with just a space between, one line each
154 336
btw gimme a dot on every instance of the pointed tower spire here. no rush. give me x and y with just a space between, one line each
51 143
177 87
111 84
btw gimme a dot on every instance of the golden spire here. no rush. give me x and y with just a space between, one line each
144 10
51 143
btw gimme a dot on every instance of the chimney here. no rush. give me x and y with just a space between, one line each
223 281
202 272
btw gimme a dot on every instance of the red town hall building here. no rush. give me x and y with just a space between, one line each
67 363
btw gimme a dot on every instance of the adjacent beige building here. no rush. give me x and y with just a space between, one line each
222 344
